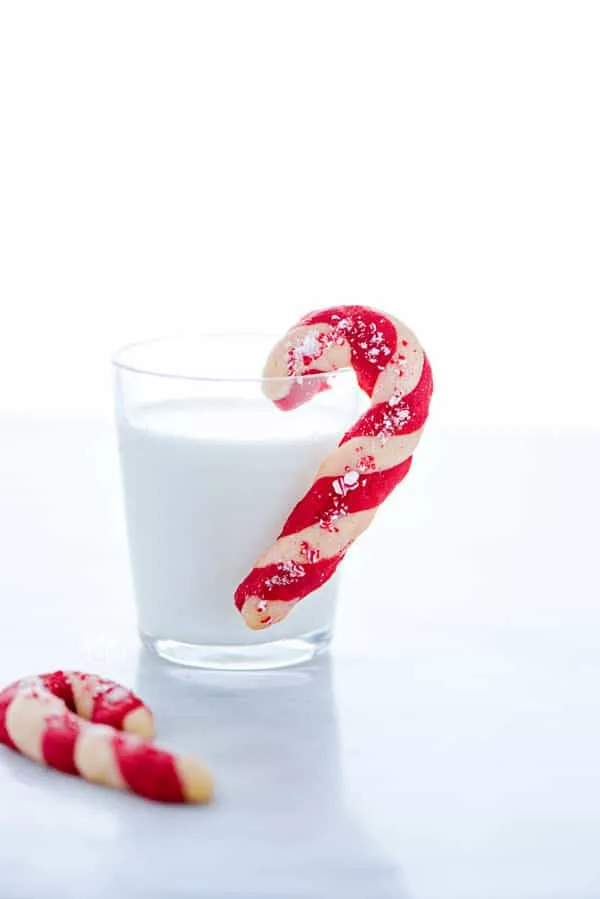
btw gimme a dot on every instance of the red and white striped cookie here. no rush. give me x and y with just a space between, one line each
87 725
371 459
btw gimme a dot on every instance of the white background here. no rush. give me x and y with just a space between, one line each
173 166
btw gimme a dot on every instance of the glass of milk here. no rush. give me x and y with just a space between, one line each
210 469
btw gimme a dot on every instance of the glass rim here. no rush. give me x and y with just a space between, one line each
118 362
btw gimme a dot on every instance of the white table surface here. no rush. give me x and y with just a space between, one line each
448 748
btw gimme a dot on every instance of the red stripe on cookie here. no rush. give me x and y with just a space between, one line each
331 498
6 697
286 581
372 338
390 419
146 770
59 685
58 741
303 389
112 704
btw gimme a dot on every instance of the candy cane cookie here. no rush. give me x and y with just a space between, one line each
87 725
370 460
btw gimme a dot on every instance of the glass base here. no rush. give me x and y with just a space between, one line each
241 657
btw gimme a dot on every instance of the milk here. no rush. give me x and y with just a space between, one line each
208 485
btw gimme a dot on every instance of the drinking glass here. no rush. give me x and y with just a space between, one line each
211 469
